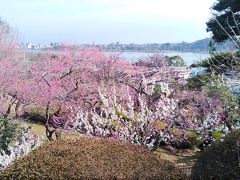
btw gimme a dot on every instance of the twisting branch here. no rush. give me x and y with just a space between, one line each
67 74
233 40
45 80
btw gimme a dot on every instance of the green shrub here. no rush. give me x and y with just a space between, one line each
35 117
7 134
220 160
193 139
89 158
175 61
157 91
221 62
230 101
198 81
218 135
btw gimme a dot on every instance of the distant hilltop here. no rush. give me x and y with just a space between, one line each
196 46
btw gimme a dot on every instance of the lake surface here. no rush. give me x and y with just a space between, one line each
188 57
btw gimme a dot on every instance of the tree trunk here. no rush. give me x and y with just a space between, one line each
49 132
8 111
9 108
17 107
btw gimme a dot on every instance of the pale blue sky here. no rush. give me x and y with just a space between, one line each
105 21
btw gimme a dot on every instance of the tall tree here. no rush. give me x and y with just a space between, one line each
225 22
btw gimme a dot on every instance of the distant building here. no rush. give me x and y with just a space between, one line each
30 46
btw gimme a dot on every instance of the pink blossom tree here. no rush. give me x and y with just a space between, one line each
149 109
11 69
71 77
103 95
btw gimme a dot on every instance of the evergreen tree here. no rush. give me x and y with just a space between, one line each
225 22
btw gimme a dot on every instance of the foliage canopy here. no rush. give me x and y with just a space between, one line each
225 20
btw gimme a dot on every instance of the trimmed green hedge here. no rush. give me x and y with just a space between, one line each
220 160
7 134
89 158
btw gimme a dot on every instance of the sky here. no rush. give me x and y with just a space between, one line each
105 21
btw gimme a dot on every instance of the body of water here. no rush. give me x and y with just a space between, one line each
188 57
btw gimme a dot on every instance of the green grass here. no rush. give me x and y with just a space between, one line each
188 156
39 130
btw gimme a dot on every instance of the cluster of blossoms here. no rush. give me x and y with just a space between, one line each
135 120
110 97
25 143
120 120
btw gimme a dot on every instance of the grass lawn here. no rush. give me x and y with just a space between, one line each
187 156
39 130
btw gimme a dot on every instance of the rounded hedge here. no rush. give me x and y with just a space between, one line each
89 158
220 160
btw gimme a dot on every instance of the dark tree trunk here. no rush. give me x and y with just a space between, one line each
18 104
49 132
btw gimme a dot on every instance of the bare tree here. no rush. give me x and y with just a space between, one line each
7 40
